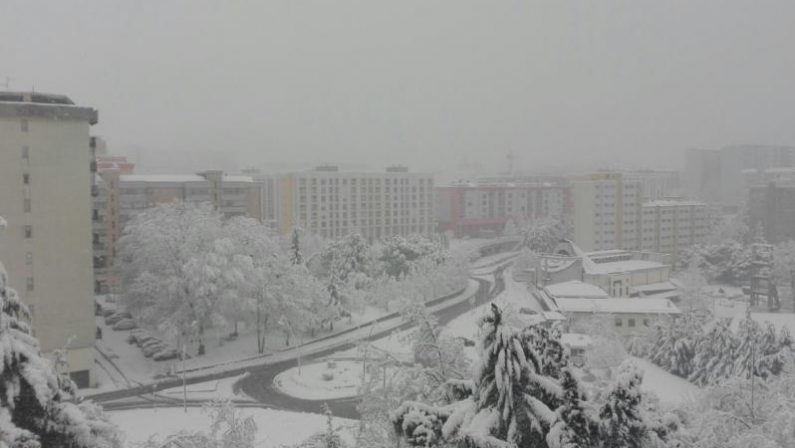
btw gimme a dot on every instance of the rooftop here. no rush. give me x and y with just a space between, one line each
617 306
161 178
575 289
35 97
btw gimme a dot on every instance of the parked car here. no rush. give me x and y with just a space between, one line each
527 311
151 341
142 340
106 312
113 318
166 354
154 348
125 324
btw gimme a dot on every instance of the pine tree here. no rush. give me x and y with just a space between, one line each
296 257
34 411
622 423
575 427
513 402
330 438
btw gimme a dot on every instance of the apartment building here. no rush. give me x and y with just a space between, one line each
332 203
119 197
606 211
716 175
483 208
772 207
656 184
671 226
45 195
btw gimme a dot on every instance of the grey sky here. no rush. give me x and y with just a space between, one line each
428 83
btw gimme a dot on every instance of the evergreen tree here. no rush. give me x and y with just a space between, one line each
575 427
296 257
513 402
622 422
34 411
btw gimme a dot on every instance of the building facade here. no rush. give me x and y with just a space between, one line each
671 226
479 208
606 210
45 195
656 184
332 204
772 207
716 175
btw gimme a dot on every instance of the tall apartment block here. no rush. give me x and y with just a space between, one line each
671 226
772 207
716 175
45 195
656 184
606 211
483 208
332 203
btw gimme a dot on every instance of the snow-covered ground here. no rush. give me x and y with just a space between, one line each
275 428
325 380
133 368
222 389
668 387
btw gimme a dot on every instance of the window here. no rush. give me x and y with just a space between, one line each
26 152
619 323
26 178
26 205
29 285
29 258
646 322
631 322
24 125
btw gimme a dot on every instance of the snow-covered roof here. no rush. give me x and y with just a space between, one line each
671 203
614 267
575 289
576 340
654 287
161 178
233 178
618 306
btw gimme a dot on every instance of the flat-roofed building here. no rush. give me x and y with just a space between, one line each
46 175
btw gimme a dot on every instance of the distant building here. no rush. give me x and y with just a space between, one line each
119 197
46 176
628 316
606 211
332 203
716 175
620 273
656 184
481 208
673 226
772 207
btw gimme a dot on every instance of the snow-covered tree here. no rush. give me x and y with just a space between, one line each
693 285
784 265
621 418
513 403
296 257
527 262
228 429
398 254
35 410
541 236
576 425
346 264
169 260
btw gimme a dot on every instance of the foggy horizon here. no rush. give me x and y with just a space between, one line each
428 85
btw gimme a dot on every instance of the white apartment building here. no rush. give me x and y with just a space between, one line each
332 203
671 226
45 195
606 210
656 184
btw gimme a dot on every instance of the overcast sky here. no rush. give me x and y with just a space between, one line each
427 83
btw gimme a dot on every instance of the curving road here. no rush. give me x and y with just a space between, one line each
258 384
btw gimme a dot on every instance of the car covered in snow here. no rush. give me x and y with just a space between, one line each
166 354
151 349
125 324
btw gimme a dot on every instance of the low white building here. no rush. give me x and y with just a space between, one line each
628 315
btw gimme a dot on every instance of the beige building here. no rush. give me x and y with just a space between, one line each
626 316
671 226
118 197
606 210
332 204
45 195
